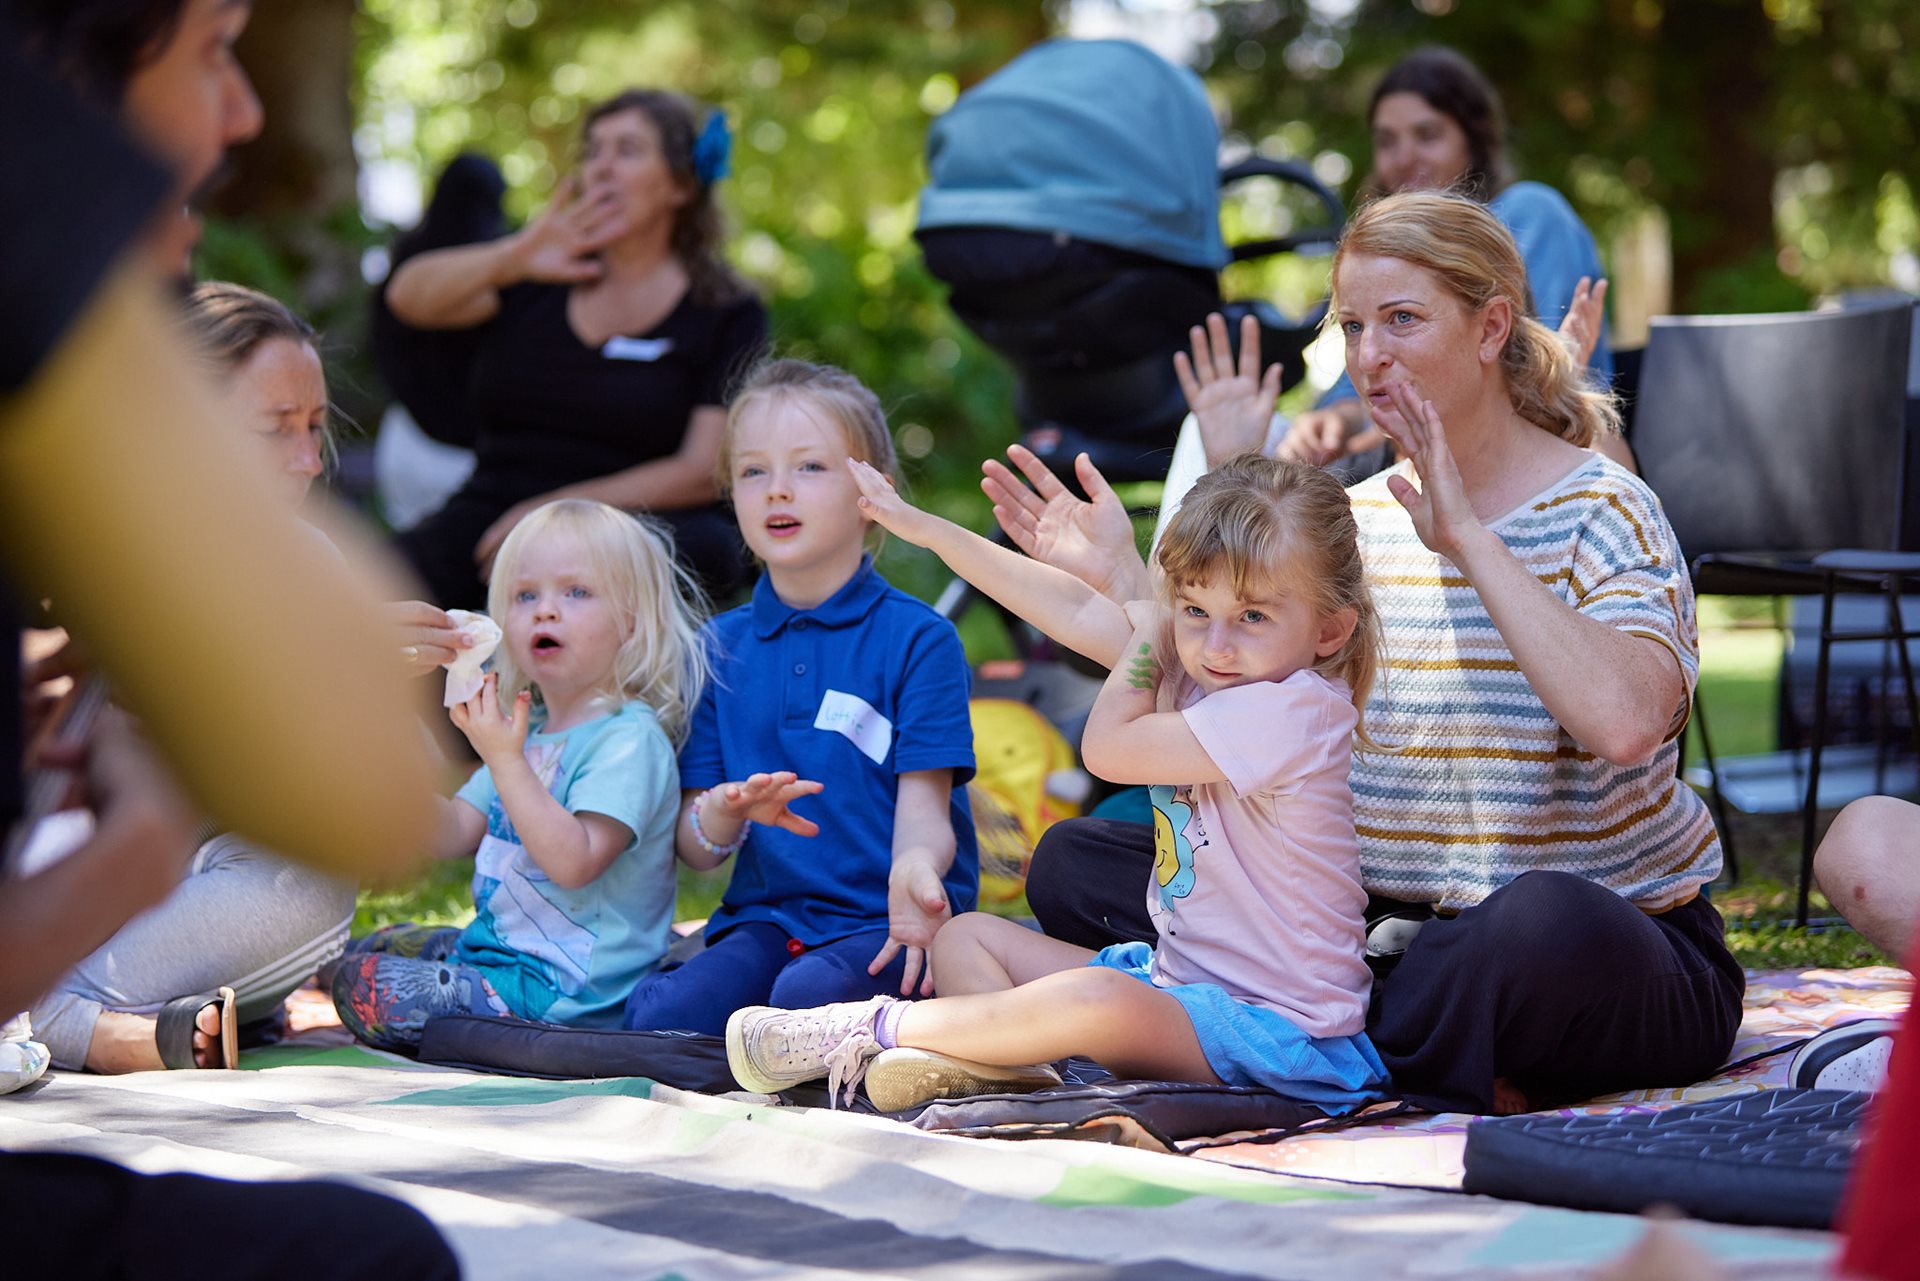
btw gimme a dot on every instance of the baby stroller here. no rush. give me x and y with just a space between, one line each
1073 211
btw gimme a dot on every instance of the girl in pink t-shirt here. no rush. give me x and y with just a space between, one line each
1237 694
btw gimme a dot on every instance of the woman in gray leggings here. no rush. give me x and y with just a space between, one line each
242 918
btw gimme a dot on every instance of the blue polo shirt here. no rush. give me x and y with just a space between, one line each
868 685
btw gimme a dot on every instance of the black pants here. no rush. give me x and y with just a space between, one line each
76 1218
440 549
1554 983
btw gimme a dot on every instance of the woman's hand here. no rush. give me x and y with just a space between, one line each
1093 541
497 735
1319 437
428 638
1232 407
765 798
1586 315
489 545
1442 513
880 501
917 907
558 245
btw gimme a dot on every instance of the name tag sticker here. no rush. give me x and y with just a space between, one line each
620 347
855 717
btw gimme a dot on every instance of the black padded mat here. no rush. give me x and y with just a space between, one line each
1779 1157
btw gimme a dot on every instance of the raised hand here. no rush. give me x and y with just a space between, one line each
559 244
764 799
1586 314
1232 406
1442 514
497 734
917 907
1093 541
880 501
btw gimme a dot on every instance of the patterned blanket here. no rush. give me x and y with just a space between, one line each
628 1178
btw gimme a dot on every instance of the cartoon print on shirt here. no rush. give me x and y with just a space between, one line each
508 891
1177 832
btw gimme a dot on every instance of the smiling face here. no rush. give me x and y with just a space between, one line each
280 393
189 100
1416 146
562 630
624 161
1223 639
796 502
1403 325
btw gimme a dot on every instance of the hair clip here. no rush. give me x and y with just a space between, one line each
711 149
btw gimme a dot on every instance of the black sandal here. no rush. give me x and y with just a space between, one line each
179 1019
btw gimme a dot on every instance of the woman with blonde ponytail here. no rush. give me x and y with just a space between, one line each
1540 653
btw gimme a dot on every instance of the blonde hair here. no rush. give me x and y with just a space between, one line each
1476 258
1262 522
662 661
226 323
826 389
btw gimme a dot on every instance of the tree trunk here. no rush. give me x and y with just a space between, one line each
300 56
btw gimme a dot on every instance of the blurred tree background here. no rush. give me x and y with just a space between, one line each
1730 154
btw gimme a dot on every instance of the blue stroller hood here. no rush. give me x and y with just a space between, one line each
1102 140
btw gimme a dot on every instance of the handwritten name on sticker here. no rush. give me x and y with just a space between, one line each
619 347
855 717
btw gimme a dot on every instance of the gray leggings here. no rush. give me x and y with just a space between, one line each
242 917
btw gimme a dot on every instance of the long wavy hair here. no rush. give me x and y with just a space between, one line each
1263 522
699 228
1475 257
661 662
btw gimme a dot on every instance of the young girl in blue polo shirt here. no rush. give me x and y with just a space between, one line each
570 816
830 752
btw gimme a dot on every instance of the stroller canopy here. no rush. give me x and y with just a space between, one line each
1102 140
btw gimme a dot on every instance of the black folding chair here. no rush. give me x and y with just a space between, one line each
1779 446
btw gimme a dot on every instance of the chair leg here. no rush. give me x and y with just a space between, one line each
1717 797
1811 817
1900 637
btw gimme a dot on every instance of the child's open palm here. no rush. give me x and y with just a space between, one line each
497 734
1232 405
917 907
765 798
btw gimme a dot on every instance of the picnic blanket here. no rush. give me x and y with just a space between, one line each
628 1178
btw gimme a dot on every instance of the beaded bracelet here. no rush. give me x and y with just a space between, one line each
718 851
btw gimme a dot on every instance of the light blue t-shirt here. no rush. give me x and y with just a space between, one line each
1557 249
572 956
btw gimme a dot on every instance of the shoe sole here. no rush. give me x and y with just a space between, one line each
743 1073
904 1078
1852 1057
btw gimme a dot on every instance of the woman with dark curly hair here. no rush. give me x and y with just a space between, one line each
613 328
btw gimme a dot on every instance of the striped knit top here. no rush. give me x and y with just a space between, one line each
1489 785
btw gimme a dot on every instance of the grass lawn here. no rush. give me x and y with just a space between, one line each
1739 661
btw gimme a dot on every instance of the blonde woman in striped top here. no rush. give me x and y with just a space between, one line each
1540 654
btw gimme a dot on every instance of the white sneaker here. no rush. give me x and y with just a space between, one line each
769 1050
904 1078
23 1060
1850 1056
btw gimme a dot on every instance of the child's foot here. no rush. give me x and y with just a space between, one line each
904 1078
23 1060
771 1049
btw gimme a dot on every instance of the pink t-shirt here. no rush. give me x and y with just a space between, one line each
1256 883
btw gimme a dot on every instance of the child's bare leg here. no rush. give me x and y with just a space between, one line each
979 952
1130 1028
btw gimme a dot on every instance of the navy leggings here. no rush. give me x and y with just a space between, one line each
1554 983
755 964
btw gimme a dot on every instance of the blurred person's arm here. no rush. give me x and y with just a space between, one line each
256 662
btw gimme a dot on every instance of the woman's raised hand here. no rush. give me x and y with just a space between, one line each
558 245
428 638
880 501
1233 406
1093 541
1442 513
764 799
1580 327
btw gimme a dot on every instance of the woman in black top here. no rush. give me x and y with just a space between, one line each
613 330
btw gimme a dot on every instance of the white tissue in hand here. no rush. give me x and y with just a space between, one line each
464 676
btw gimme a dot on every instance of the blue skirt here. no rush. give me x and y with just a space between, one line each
1254 1046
